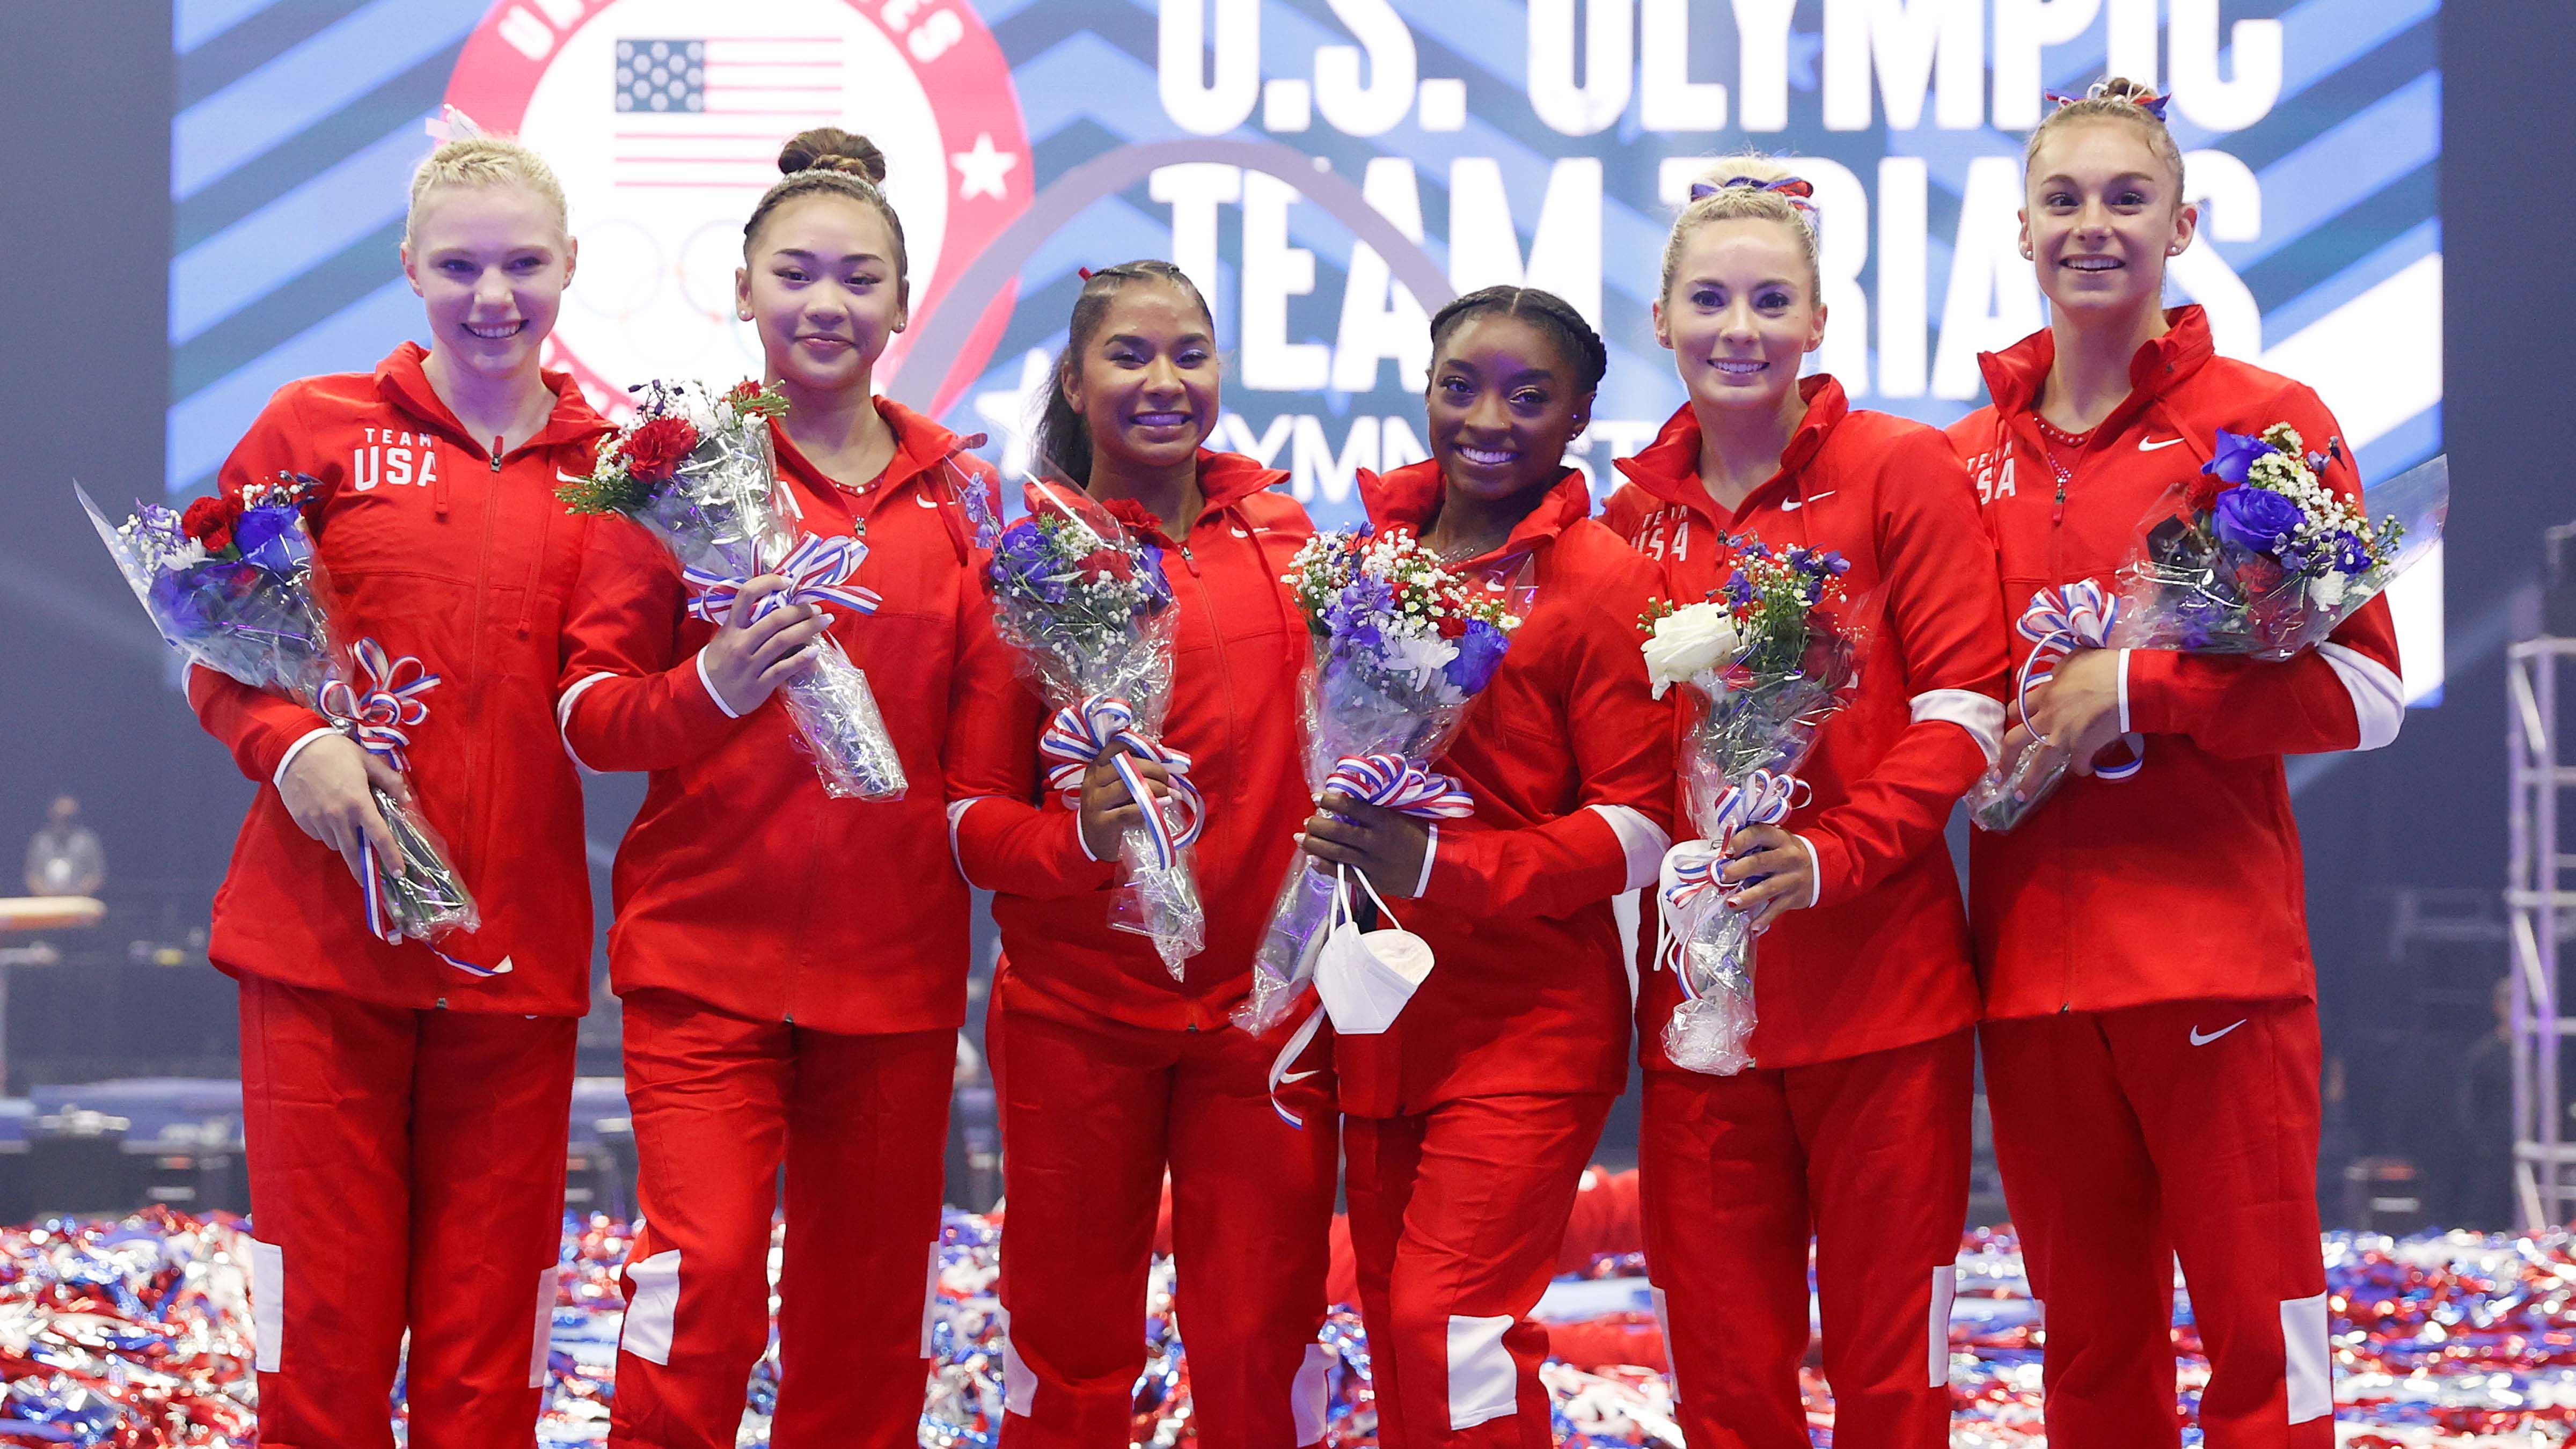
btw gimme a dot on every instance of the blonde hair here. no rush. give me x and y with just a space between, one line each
1746 187
2117 99
829 160
486 160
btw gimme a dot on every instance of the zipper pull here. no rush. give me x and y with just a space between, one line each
496 452
1187 559
2057 511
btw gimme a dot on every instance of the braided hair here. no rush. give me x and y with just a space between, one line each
829 160
1575 340
1062 440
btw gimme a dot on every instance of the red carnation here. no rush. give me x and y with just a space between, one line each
2203 493
1111 562
1135 518
1452 625
656 448
744 391
210 521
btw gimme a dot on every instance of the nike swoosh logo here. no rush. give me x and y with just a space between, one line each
1792 505
563 477
2196 1038
925 500
1293 1078
2149 445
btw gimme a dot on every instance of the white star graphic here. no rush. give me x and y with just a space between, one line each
1013 411
980 171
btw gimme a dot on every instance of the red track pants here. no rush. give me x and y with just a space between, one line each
1457 1216
1869 1156
1092 1114
2128 1137
406 1172
861 1123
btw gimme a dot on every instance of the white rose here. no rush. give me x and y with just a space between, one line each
2326 590
1691 640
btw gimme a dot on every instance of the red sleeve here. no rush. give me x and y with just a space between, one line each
2344 694
1942 603
261 729
631 696
1007 833
1622 738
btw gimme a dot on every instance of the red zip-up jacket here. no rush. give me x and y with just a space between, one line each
2183 882
1239 660
1570 759
740 883
439 551
1880 957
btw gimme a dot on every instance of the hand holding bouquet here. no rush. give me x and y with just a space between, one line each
1085 603
1402 646
2253 555
232 583
697 469
1770 655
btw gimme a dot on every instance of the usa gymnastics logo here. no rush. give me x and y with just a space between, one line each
664 119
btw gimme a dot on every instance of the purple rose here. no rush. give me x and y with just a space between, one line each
2235 456
272 537
2254 519
1480 651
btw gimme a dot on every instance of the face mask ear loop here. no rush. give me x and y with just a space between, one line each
1382 910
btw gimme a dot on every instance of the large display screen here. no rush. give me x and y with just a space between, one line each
1328 170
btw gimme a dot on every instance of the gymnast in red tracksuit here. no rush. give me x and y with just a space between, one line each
1469 1122
1852 1126
792 966
407 1115
1108 1070
2151 1044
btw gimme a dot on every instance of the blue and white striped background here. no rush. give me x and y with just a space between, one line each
299 121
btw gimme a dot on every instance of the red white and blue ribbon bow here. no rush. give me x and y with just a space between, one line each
1079 733
379 717
1400 785
2057 623
817 571
1692 869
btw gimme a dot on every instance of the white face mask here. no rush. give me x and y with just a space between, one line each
1365 978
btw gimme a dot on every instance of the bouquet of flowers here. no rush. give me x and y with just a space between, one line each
697 469
1402 646
2253 555
1770 654
232 584
1084 601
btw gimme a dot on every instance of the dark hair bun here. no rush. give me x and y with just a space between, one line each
2121 88
829 148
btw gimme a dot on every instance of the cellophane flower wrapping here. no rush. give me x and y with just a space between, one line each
1767 657
2253 555
233 584
697 469
1403 645
1085 604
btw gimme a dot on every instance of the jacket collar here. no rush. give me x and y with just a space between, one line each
2014 375
1225 479
1668 468
1409 498
402 381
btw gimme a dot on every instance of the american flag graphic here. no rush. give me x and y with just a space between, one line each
713 112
